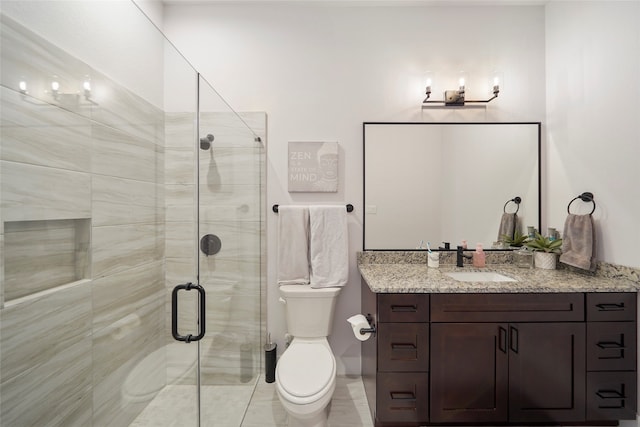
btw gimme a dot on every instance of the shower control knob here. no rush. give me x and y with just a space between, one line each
210 244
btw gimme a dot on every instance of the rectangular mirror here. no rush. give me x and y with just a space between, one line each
448 182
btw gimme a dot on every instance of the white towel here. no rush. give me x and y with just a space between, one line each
293 245
329 246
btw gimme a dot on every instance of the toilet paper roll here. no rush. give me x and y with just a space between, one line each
358 322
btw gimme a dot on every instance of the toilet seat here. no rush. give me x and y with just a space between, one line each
305 370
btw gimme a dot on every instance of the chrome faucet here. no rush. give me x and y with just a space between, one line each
460 256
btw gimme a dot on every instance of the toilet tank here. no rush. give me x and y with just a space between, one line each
309 311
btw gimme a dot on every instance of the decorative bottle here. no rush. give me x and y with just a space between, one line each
479 256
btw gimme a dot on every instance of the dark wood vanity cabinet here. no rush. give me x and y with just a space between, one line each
500 358
401 362
611 356
521 360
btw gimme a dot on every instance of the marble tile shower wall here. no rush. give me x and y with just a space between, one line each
66 351
232 207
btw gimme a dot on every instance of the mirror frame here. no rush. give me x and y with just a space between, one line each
364 184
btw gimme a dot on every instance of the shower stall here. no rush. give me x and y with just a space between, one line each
132 226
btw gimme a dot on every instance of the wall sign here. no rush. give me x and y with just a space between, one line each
313 167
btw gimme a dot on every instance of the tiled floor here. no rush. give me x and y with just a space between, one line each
226 406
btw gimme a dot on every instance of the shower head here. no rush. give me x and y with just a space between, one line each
205 143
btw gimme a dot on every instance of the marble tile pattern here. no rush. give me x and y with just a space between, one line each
68 350
43 135
37 193
46 359
407 272
252 405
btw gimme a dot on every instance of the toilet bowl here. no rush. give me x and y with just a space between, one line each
306 371
306 380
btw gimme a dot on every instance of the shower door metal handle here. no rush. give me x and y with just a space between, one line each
174 313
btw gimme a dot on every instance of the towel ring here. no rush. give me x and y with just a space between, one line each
515 200
585 197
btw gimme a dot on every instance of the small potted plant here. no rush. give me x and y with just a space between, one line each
545 251
516 241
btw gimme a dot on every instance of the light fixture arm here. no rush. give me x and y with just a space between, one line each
455 98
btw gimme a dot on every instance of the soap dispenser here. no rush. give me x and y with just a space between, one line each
479 256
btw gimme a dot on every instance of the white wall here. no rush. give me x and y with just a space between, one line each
319 71
593 119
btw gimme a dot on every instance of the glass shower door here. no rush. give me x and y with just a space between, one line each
112 193
230 262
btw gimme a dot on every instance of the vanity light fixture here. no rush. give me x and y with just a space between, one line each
456 98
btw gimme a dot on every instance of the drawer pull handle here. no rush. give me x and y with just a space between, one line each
610 344
610 394
404 308
402 346
610 306
403 395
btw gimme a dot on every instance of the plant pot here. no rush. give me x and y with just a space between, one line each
545 260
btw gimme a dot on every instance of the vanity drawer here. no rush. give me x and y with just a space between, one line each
402 397
611 396
507 307
611 346
403 347
614 306
408 308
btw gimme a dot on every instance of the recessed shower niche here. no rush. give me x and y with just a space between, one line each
40 255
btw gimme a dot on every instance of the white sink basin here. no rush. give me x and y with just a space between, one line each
479 276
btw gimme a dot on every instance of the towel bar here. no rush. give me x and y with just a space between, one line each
349 208
585 197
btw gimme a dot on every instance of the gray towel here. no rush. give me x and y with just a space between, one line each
578 242
507 226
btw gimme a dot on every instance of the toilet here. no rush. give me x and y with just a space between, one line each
306 371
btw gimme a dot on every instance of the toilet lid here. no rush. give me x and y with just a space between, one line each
305 369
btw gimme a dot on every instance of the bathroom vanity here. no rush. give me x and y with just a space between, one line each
550 347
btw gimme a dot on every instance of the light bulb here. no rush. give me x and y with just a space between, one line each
461 82
55 86
23 86
87 85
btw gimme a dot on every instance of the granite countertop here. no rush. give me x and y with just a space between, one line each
400 274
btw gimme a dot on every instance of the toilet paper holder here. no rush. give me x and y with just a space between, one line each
371 328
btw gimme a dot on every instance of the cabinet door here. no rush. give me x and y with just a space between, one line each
469 372
546 372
